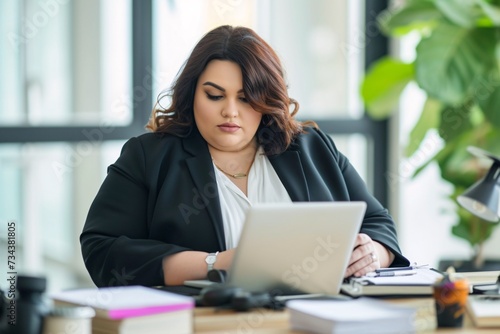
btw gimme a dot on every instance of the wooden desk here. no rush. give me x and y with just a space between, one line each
263 321
260 321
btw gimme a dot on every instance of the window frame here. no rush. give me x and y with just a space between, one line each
377 131
142 56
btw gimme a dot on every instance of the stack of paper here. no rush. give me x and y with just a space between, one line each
133 309
362 315
484 310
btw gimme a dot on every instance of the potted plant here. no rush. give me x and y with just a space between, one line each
457 66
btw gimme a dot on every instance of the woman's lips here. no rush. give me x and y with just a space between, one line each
229 127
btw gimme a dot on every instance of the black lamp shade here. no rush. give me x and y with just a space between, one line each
482 198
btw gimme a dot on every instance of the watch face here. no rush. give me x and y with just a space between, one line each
210 259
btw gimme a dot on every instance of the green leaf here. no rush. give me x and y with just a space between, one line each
456 168
452 158
383 85
454 121
476 116
429 119
491 11
489 139
415 15
451 59
471 228
444 157
487 96
463 13
457 165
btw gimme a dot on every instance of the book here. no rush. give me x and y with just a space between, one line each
173 322
484 310
132 309
361 315
419 283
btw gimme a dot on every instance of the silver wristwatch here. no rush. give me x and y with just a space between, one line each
210 260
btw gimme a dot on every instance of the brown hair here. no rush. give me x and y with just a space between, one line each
264 87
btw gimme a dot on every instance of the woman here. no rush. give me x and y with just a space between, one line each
172 206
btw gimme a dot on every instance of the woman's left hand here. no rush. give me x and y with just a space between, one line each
365 257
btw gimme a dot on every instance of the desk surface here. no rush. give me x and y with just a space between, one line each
209 320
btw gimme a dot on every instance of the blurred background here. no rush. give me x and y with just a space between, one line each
79 77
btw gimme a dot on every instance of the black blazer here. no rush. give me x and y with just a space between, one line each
160 197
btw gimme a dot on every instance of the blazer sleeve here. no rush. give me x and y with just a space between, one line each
116 246
377 223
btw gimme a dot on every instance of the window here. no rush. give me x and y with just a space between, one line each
67 103
80 77
321 56
61 70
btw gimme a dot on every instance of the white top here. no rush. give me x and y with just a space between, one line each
264 185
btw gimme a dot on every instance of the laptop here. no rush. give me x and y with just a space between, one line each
295 248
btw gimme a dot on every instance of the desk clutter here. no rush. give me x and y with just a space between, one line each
133 309
136 309
362 315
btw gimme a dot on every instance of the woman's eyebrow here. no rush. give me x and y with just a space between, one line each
209 83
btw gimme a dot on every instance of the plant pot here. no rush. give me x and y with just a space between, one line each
468 265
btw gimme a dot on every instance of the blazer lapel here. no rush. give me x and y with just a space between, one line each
203 175
289 169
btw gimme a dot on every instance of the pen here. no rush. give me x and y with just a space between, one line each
392 273
381 270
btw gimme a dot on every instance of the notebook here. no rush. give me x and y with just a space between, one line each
419 283
120 302
131 310
292 248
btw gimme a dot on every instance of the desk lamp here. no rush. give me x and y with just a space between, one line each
483 197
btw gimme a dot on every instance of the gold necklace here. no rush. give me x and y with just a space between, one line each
234 176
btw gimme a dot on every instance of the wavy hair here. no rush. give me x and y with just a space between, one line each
264 87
